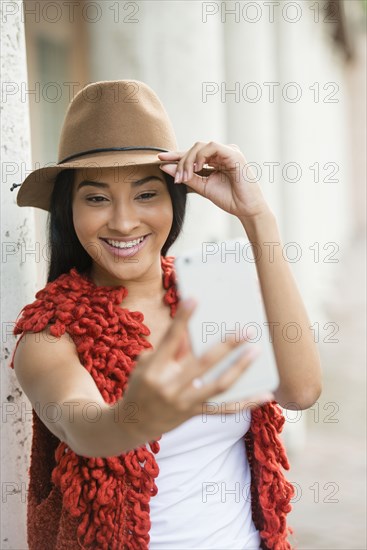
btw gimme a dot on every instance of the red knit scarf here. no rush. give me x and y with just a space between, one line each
110 496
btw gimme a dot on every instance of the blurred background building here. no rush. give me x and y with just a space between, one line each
286 81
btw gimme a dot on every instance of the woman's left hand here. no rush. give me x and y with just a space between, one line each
232 186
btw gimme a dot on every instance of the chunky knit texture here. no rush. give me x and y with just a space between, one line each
103 503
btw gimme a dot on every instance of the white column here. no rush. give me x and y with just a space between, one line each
314 174
314 135
19 278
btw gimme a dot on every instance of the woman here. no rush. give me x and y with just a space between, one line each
113 371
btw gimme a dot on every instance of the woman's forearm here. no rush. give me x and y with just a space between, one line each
297 359
110 433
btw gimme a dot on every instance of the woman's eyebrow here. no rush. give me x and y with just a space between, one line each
102 185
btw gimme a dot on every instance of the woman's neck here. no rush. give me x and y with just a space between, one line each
146 291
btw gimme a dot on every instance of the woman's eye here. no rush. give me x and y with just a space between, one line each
91 199
145 194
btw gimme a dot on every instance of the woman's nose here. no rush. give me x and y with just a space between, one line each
124 218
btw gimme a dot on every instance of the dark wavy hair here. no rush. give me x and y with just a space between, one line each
65 248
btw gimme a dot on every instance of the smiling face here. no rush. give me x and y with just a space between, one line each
122 205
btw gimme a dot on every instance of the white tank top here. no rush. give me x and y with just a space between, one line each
204 498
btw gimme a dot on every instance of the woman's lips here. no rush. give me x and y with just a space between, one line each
123 252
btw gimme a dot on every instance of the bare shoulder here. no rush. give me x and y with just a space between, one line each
49 371
41 347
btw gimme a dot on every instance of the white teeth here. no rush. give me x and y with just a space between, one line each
128 244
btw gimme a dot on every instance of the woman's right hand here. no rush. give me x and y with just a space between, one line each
160 386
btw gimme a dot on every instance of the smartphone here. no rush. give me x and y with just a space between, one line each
222 277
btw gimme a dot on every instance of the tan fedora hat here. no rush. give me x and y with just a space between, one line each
107 124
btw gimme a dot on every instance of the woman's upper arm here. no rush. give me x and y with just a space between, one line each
50 374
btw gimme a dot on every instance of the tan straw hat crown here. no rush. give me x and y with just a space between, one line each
107 124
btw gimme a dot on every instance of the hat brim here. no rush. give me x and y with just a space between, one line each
37 188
